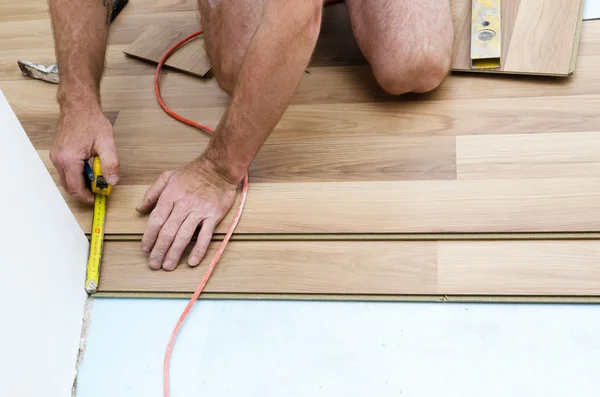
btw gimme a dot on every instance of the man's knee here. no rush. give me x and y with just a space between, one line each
420 72
226 75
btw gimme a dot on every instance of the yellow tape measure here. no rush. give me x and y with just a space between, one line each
101 189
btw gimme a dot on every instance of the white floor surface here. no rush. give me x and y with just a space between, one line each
273 348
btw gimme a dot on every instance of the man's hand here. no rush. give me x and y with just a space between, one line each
184 198
83 134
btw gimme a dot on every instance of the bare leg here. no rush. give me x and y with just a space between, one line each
407 42
228 29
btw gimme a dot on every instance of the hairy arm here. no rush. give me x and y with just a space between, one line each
202 193
80 31
270 72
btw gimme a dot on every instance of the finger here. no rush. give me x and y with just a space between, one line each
182 239
199 250
75 184
165 239
107 151
153 193
157 219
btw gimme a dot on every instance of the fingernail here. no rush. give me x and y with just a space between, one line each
113 179
154 264
193 261
138 206
145 248
168 265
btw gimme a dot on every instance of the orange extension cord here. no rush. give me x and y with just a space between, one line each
238 214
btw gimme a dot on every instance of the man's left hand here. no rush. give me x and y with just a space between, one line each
183 199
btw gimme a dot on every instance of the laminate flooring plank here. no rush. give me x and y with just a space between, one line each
362 267
523 268
157 40
561 155
445 206
543 37
309 160
519 268
378 159
589 43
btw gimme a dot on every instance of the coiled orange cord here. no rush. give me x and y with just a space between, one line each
238 214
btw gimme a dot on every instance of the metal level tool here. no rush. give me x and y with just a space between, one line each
486 34
101 189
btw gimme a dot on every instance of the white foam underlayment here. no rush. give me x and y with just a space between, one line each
345 349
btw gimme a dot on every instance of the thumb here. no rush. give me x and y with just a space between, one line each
107 151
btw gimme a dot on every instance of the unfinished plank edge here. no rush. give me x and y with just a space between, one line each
385 236
357 297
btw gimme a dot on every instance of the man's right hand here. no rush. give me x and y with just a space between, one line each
83 134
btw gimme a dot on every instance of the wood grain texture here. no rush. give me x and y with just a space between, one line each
566 155
312 160
539 37
520 268
270 266
155 42
308 160
526 268
543 37
459 206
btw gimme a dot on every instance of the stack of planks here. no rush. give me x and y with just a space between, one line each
488 186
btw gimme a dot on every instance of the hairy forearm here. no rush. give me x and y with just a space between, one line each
80 31
272 68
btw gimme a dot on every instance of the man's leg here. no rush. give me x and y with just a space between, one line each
407 42
228 29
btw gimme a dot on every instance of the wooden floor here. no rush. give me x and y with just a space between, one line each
489 185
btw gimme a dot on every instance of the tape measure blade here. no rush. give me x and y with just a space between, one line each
96 242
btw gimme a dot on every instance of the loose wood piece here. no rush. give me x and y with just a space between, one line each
538 37
270 266
155 41
519 267
575 154
451 206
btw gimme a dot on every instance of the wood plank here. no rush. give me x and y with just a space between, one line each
523 268
519 268
543 37
459 206
365 267
313 160
157 40
539 37
516 156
